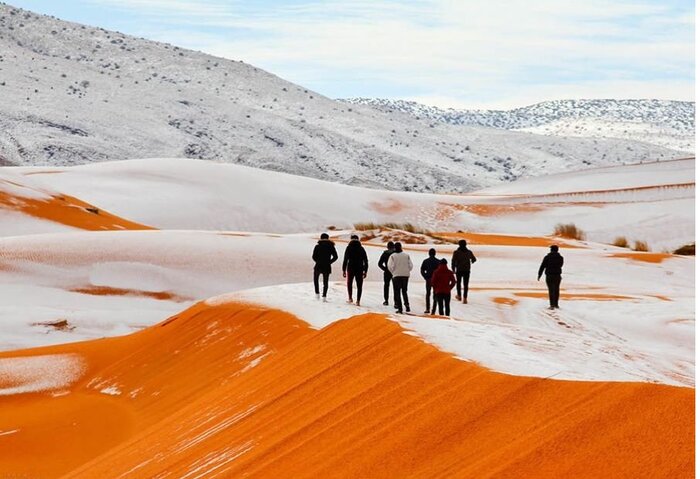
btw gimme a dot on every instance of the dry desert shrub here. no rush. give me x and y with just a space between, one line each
686 250
621 242
641 246
569 231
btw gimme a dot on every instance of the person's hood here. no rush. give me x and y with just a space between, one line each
321 241
441 267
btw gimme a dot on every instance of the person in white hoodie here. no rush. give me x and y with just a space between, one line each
400 266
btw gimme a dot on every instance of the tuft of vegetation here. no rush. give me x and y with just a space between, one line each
570 231
641 246
408 227
686 250
621 242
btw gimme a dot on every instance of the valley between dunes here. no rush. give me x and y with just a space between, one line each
158 321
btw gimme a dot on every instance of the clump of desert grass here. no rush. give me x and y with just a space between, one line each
621 242
640 246
569 231
686 250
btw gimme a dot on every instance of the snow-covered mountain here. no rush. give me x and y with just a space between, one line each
72 94
660 122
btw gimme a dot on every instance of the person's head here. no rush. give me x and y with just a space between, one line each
431 252
443 261
462 243
554 248
354 238
324 236
397 247
390 245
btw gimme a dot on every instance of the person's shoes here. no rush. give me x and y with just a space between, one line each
458 297
357 303
350 301
427 311
551 308
318 296
408 309
386 303
398 311
464 301
325 300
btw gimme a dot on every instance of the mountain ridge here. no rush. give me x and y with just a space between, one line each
74 94
667 118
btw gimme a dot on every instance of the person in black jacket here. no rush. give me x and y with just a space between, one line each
426 270
551 267
387 275
462 260
355 266
324 256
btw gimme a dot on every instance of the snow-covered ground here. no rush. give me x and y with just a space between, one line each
625 316
627 319
652 202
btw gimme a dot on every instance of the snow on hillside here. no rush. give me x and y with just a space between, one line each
73 94
670 124
652 202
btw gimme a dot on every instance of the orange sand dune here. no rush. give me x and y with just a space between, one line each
68 211
575 296
641 256
507 240
110 291
240 391
506 301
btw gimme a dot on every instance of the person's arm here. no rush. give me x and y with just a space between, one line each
345 261
314 256
365 263
542 267
382 261
453 260
453 281
472 258
424 270
410 263
334 254
390 264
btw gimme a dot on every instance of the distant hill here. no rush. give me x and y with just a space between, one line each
74 94
660 122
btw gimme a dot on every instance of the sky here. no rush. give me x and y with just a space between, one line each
447 53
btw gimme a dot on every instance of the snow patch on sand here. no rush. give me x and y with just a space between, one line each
23 375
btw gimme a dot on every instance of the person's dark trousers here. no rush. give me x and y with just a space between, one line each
325 275
387 284
443 303
401 289
463 278
553 282
357 277
428 291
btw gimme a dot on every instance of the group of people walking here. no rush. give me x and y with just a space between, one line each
397 265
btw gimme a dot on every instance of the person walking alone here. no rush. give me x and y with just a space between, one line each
426 270
462 260
387 275
443 280
324 256
400 266
551 267
355 266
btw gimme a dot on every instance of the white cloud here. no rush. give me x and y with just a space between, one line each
469 51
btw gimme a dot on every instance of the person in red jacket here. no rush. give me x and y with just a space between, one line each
443 281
